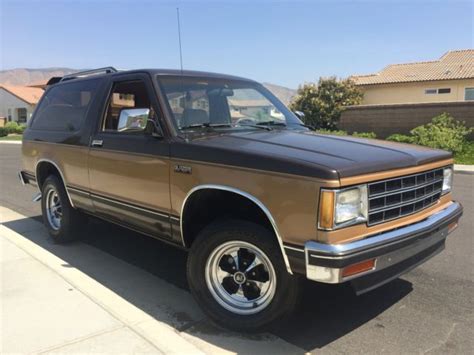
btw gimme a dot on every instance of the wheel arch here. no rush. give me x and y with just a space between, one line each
249 197
46 167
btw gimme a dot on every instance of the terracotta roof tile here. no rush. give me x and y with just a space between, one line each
39 84
25 93
452 65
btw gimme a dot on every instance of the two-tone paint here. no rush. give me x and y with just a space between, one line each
144 182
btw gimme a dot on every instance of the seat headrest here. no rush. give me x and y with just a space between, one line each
194 116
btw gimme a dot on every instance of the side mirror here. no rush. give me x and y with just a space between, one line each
300 115
154 129
134 119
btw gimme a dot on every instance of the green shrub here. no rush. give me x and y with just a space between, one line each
444 132
15 128
333 132
467 154
401 138
11 127
336 132
3 132
21 128
370 135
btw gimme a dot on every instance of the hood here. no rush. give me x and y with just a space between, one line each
308 153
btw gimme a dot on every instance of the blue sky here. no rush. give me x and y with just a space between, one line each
282 42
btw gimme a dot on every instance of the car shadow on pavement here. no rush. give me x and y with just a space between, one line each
325 313
328 312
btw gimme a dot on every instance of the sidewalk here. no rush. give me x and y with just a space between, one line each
77 299
49 306
57 316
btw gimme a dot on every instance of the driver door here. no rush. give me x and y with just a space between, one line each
128 166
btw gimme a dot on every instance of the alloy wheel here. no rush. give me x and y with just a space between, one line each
240 277
54 211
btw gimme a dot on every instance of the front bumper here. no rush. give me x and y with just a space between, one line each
395 252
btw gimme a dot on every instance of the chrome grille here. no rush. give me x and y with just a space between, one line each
399 197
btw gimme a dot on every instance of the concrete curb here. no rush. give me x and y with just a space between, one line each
10 142
464 169
161 335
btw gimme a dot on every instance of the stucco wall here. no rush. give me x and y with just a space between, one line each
385 120
9 101
414 92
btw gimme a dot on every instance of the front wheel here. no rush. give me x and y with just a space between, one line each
237 274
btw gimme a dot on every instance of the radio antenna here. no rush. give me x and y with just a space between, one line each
179 39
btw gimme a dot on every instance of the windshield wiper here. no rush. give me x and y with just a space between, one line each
214 125
271 123
206 125
311 128
266 128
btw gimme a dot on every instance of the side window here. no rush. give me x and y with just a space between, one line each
444 91
64 106
129 108
22 115
469 94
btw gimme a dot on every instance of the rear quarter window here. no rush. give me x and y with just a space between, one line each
64 107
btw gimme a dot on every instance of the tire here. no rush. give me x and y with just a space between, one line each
248 309
65 223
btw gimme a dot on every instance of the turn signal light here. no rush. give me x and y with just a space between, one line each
326 210
358 268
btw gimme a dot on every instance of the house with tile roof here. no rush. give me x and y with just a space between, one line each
448 79
18 102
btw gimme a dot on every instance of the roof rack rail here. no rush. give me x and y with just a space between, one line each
105 70
53 80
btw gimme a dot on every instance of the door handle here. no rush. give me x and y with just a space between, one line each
97 143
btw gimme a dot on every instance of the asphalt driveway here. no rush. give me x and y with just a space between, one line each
427 310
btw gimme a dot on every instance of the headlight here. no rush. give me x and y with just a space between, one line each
447 179
341 208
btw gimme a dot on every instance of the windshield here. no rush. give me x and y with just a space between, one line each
224 104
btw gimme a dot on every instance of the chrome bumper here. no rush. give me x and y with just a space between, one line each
396 251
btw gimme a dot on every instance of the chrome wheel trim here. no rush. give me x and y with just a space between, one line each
54 212
240 278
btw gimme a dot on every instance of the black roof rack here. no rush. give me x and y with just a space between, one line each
105 70
53 80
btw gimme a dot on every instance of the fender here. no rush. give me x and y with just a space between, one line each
247 196
60 173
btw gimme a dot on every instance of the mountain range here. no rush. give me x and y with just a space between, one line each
25 76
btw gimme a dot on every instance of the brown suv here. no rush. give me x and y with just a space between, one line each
217 165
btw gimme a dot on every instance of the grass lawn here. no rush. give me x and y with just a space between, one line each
11 137
467 156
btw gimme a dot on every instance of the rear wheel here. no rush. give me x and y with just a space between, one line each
64 223
237 274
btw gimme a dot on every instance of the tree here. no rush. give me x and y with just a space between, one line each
323 103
